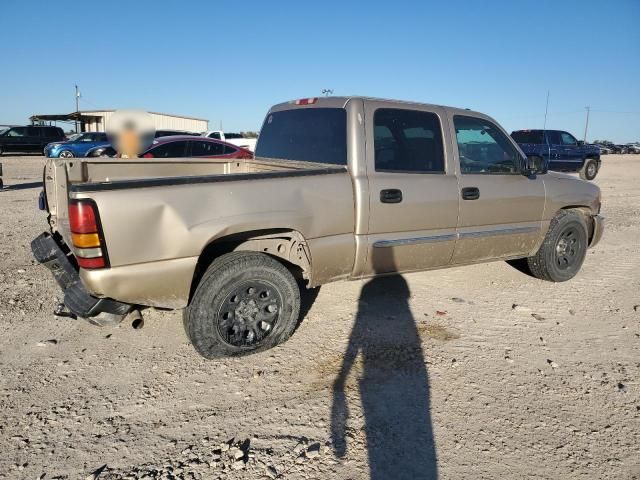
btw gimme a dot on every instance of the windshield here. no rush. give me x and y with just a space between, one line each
305 134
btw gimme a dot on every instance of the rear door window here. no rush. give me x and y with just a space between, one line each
206 149
407 141
169 150
305 134
554 138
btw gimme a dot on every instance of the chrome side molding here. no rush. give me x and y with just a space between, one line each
453 236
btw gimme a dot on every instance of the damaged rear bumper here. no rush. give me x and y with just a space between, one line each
53 253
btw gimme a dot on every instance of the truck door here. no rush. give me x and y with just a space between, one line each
556 150
500 209
413 190
571 152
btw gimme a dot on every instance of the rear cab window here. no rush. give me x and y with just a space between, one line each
407 141
528 136
305 134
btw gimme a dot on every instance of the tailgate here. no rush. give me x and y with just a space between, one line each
56 197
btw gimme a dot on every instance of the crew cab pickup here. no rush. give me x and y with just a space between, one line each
561 151
341 188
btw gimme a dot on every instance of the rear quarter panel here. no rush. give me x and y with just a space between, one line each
148 229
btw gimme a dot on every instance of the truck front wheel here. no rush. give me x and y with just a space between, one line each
589 169
246 302
563 250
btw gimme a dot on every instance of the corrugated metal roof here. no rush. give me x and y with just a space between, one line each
94 113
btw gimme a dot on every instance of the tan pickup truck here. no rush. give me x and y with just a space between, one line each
341 188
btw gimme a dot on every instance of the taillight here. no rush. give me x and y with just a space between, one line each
86 236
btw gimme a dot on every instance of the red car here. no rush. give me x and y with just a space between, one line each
178 146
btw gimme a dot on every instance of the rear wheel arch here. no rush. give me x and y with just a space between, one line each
288 246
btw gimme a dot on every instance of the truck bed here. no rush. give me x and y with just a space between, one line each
158 215
98 174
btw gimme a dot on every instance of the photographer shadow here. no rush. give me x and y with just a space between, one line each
393 385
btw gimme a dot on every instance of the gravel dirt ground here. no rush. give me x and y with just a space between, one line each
474 372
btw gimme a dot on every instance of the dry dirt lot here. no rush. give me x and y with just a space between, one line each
475 372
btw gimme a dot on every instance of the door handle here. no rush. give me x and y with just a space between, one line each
470 193
391 195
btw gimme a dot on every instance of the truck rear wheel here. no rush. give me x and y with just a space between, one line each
562 253
246 302
589 169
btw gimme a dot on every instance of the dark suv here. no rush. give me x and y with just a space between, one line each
29 139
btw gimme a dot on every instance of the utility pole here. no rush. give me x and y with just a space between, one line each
77 107
546 109
586 125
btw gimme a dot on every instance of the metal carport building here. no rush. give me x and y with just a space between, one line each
96 120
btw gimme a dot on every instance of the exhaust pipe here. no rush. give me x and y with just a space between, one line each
135 317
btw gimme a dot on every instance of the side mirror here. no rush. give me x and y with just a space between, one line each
534 166
580 142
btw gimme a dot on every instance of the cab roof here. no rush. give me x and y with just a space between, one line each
341 102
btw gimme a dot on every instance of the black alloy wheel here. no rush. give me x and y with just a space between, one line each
567 248
249 314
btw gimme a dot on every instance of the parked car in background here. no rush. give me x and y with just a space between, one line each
32 138
233 138
633 147
560 150
179 146
622 149
76 147
604 149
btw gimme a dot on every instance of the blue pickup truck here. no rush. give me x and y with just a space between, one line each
560 150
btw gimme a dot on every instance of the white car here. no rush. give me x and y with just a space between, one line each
233 138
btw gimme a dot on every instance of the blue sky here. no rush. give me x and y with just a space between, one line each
229 61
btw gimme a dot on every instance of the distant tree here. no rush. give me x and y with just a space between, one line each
249 134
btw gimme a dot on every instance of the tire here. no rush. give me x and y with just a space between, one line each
246 302
563 250
66 154
589 169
